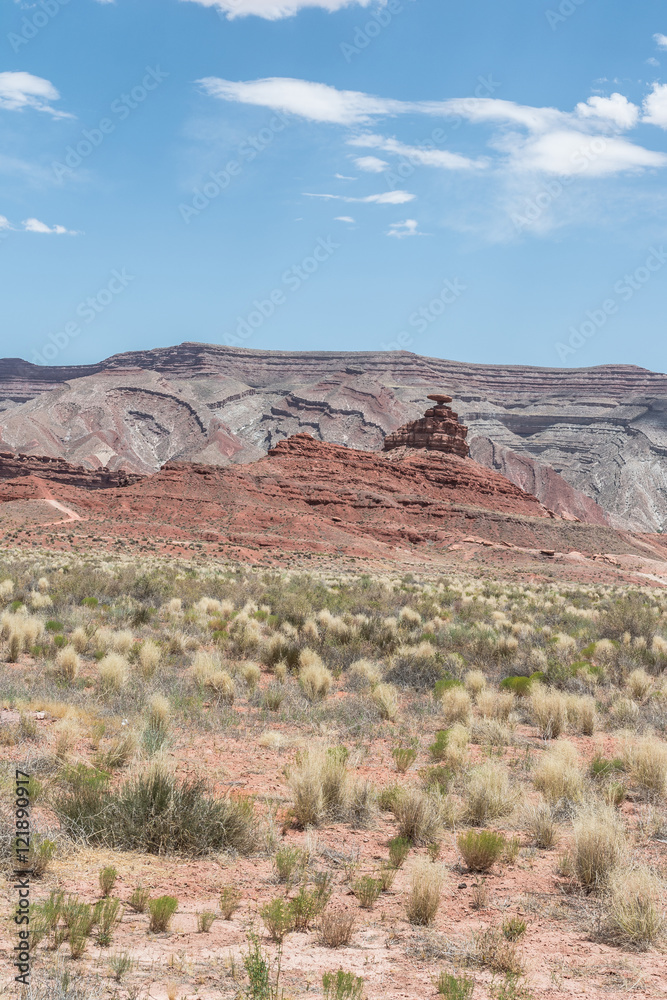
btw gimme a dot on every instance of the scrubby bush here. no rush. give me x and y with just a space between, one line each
540 823
336 928
155 813
481 848
161 912
646 761
315 679
419 816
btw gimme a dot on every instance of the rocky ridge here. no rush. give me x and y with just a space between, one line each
590 443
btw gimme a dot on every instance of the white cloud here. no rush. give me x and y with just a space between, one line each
402 229
547 141
387 198
371 164
416 154
4 222
344 177
655 106
345 218
273 10
569 153
35 226
660 40
23 90
616 109
315 101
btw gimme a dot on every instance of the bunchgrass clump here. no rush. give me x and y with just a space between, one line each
481 849
161 911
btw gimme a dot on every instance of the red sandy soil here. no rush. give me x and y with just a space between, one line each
562 956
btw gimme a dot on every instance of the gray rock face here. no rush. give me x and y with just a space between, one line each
589 443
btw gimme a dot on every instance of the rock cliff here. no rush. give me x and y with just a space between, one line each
590 443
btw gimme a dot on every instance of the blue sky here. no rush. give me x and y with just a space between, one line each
482 181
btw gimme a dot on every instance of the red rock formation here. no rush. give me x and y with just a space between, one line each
57 470
438 430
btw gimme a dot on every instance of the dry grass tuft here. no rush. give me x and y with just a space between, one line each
114 671
548 709
490 794
68 663
600 845
426 882
385 699
456 706
646 760
635 907
495 704
639 684
315 679
558 775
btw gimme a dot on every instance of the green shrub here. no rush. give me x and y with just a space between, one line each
308 904
290 863
403 758
157 814
367 891
205 921
342 986
138 901
439 747
53 626
455 987
278 919
262 983
399 848
108 878
445 684
514 928
106 915
437 779
481 848
161 911
230 900
520 686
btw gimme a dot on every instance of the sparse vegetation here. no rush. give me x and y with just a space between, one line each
120 691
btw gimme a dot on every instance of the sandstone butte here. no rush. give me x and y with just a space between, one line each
420 496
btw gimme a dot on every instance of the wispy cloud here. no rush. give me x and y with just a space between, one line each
409 227
371 164
19 91
544 140
33 225
274 10
416 154
386 198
